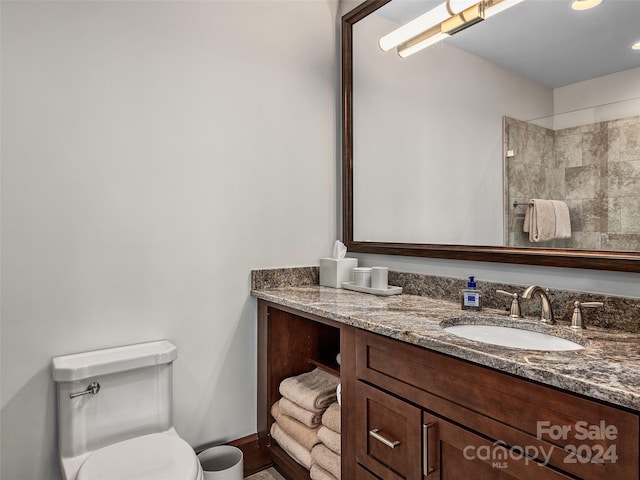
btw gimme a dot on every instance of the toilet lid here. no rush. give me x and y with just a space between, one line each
158 456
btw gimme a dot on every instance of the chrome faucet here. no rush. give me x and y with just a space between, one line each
547 314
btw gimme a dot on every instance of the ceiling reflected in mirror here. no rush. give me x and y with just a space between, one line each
605 33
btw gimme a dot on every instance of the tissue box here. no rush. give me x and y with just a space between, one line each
335 271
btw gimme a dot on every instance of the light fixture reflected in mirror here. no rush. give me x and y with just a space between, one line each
585 4
441 22
423 23
464 19
425 39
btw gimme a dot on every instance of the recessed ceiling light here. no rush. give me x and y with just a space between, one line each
585 4
636 46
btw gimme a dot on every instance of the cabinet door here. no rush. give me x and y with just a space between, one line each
363 474
454 453
388 434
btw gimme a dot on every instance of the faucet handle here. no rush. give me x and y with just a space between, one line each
591 304
514 311
577 321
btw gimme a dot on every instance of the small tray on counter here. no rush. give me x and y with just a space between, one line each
390 290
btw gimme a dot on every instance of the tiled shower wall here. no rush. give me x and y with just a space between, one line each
594 168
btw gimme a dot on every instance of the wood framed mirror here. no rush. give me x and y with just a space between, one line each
358 240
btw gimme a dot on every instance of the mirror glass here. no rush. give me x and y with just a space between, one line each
451 144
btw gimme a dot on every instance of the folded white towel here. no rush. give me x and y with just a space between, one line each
540 220
563 220
547 220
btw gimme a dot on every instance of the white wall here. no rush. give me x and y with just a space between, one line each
153 153
613 88
600 99
572 279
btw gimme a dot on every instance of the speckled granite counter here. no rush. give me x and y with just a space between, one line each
608 368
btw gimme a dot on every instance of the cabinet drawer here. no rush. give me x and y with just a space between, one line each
388 434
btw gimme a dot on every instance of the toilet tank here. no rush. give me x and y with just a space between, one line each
135 396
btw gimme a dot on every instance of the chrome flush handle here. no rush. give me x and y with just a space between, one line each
93 388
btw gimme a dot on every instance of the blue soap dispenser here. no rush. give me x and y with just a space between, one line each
471 298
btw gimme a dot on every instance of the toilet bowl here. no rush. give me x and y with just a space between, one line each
115 416
157 456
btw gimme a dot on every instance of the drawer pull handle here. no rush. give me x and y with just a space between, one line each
389 443
427 469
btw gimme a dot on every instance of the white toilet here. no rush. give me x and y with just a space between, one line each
115 416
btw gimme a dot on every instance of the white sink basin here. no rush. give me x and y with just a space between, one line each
513 337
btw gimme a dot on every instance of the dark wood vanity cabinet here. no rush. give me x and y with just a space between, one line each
411 413
447 419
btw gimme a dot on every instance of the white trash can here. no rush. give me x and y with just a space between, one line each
222 463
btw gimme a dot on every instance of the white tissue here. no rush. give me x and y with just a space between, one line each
339 250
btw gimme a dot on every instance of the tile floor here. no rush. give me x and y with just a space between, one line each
269 474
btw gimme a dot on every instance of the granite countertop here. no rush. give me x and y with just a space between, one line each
607 369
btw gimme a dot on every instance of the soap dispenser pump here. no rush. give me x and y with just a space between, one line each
471 298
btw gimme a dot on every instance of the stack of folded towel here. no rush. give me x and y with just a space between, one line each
298 414
325 456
